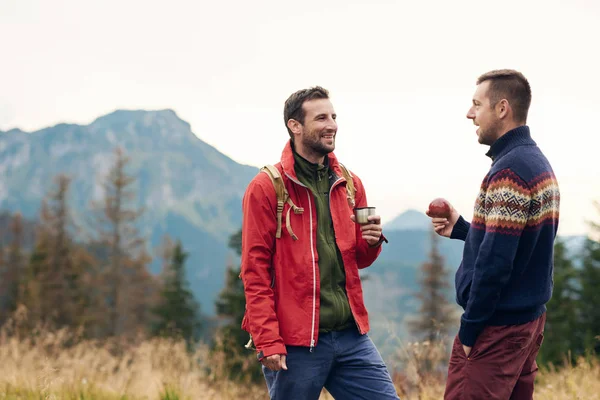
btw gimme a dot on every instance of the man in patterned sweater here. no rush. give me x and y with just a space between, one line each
505 277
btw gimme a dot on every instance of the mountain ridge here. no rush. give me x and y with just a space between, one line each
189 189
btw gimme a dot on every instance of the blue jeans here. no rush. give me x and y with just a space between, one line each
346 363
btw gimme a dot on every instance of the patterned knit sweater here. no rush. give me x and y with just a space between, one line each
505 277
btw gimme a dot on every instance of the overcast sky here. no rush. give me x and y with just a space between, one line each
401 76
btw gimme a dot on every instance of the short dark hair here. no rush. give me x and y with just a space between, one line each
510 85
293 105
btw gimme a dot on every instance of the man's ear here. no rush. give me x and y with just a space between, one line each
294 126
503 109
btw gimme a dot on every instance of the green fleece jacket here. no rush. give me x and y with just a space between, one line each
334 311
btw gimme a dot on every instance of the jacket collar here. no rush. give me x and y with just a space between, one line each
519 136
307 169
287 162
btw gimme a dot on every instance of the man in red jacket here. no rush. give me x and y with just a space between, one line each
304 301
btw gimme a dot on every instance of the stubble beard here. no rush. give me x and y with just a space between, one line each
313 142
490 135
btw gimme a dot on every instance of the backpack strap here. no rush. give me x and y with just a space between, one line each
350 188
280 191
282 198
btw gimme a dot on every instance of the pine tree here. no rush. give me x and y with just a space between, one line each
231 306
5 296
128 286
61 277
177 312
52 286
81 289
561 335
590 295
13 269
435 316
32 287
231 303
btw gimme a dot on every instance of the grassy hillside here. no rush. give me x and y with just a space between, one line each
44 367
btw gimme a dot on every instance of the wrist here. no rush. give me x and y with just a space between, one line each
460 229
382 239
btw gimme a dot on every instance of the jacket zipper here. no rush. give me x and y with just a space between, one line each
312 251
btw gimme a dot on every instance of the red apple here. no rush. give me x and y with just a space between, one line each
439 208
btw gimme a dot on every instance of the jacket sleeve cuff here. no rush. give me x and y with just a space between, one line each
468 333
460 230
382 239
271 350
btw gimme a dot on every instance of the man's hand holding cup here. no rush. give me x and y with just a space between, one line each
370 224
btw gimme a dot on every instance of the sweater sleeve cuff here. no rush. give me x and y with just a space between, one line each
460 230
468 333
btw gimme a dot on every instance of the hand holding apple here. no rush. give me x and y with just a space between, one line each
439 208
443 216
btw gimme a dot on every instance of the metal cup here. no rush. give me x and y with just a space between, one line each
362 214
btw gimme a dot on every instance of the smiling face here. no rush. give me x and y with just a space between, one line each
484 116
315 138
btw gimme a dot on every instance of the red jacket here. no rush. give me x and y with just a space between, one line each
281 276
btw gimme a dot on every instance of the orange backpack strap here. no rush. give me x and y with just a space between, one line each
350 188
282 198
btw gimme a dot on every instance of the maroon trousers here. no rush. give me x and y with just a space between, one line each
500 366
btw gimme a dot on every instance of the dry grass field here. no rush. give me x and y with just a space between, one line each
55 366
